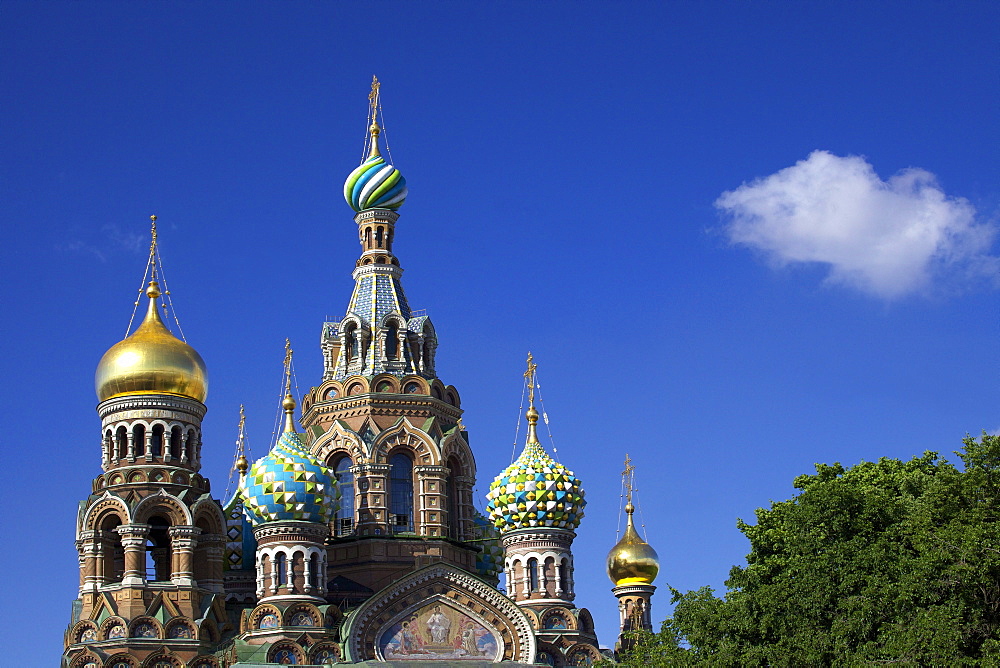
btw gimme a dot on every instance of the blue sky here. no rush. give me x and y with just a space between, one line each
740 238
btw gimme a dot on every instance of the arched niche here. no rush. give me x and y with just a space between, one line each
448 606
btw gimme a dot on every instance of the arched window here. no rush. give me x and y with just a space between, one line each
353 344
392 342
317 577
567 584
401 493
156 442
532 574
378 236
345 514
175 443
158 550
280 564
114 553
139 440
121 438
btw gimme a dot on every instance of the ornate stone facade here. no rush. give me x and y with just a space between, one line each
398 567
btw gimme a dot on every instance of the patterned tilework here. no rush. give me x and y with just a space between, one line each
375 185
240 545
364 297
374 297
535 491
289 484
489 562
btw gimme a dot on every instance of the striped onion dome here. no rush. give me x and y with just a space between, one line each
375 185
535 491
288 483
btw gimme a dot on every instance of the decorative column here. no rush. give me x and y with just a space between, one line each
89 550
134 543
431 481
463 490
182 542
372 504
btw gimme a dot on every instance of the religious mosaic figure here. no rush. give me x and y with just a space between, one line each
438 625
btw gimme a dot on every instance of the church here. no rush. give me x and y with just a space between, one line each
356 538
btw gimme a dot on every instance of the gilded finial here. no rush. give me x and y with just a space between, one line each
241 461
289 403
628 479
374 105
532 414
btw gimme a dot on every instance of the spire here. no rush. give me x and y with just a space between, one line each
241 464
374 106
532 414
289 403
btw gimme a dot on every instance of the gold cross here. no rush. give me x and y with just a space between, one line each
288 365
152 248
627 477
530 377
373 99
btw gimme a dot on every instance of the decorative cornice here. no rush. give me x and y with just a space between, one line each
151 402
369 215
310 530
392 270
518 537
633 590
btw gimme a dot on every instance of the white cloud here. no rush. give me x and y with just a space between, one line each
886 238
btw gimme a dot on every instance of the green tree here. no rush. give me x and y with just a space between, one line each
887 562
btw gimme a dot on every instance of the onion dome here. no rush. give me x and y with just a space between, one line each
375 185
632 560
151 361
536 490
288 483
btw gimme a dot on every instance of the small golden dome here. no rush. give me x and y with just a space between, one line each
632 560
151 360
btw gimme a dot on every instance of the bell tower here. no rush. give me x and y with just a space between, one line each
536 503
632 567
380 418
150 537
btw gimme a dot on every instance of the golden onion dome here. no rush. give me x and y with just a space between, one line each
151 360
632 560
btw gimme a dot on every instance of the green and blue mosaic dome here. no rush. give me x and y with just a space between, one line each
535 491
288 483
375 185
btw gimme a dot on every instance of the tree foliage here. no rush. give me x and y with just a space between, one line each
888 562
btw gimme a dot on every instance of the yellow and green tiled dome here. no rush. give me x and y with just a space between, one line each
288 483
535 491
